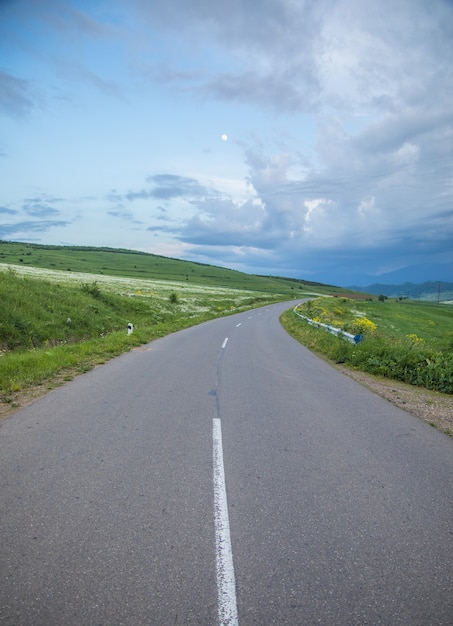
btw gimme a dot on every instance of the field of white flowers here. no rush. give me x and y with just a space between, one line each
192 298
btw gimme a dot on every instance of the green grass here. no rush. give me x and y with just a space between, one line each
141 265
403 340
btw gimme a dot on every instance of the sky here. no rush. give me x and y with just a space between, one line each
301 138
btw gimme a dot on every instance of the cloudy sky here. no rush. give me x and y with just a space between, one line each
287 137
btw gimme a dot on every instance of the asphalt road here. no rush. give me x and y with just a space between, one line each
223 473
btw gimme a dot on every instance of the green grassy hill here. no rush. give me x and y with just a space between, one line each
134 264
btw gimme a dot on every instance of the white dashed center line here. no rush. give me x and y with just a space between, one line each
226 583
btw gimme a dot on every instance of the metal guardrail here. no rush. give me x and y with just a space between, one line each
331 329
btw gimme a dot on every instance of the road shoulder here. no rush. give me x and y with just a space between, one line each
435 408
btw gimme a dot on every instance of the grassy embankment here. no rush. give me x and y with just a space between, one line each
403 340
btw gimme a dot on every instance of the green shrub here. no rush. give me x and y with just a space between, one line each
92 289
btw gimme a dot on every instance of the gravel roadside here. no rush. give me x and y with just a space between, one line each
431 406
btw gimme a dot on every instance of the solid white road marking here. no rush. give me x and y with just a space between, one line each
226 583
225 342
237 325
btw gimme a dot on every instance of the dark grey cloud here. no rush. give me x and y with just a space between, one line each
61 16
269 51
168 186
71 20
114 196
45 197
262 89
285 28
143 194
164 187
125 215
26 227
15 95
40 209
74 69
19 95
160 229
6 211
307 56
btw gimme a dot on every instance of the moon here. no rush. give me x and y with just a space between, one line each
224 137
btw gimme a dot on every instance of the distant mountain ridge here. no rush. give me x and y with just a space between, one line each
429 290
416 274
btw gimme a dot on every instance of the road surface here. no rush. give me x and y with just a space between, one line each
223 474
